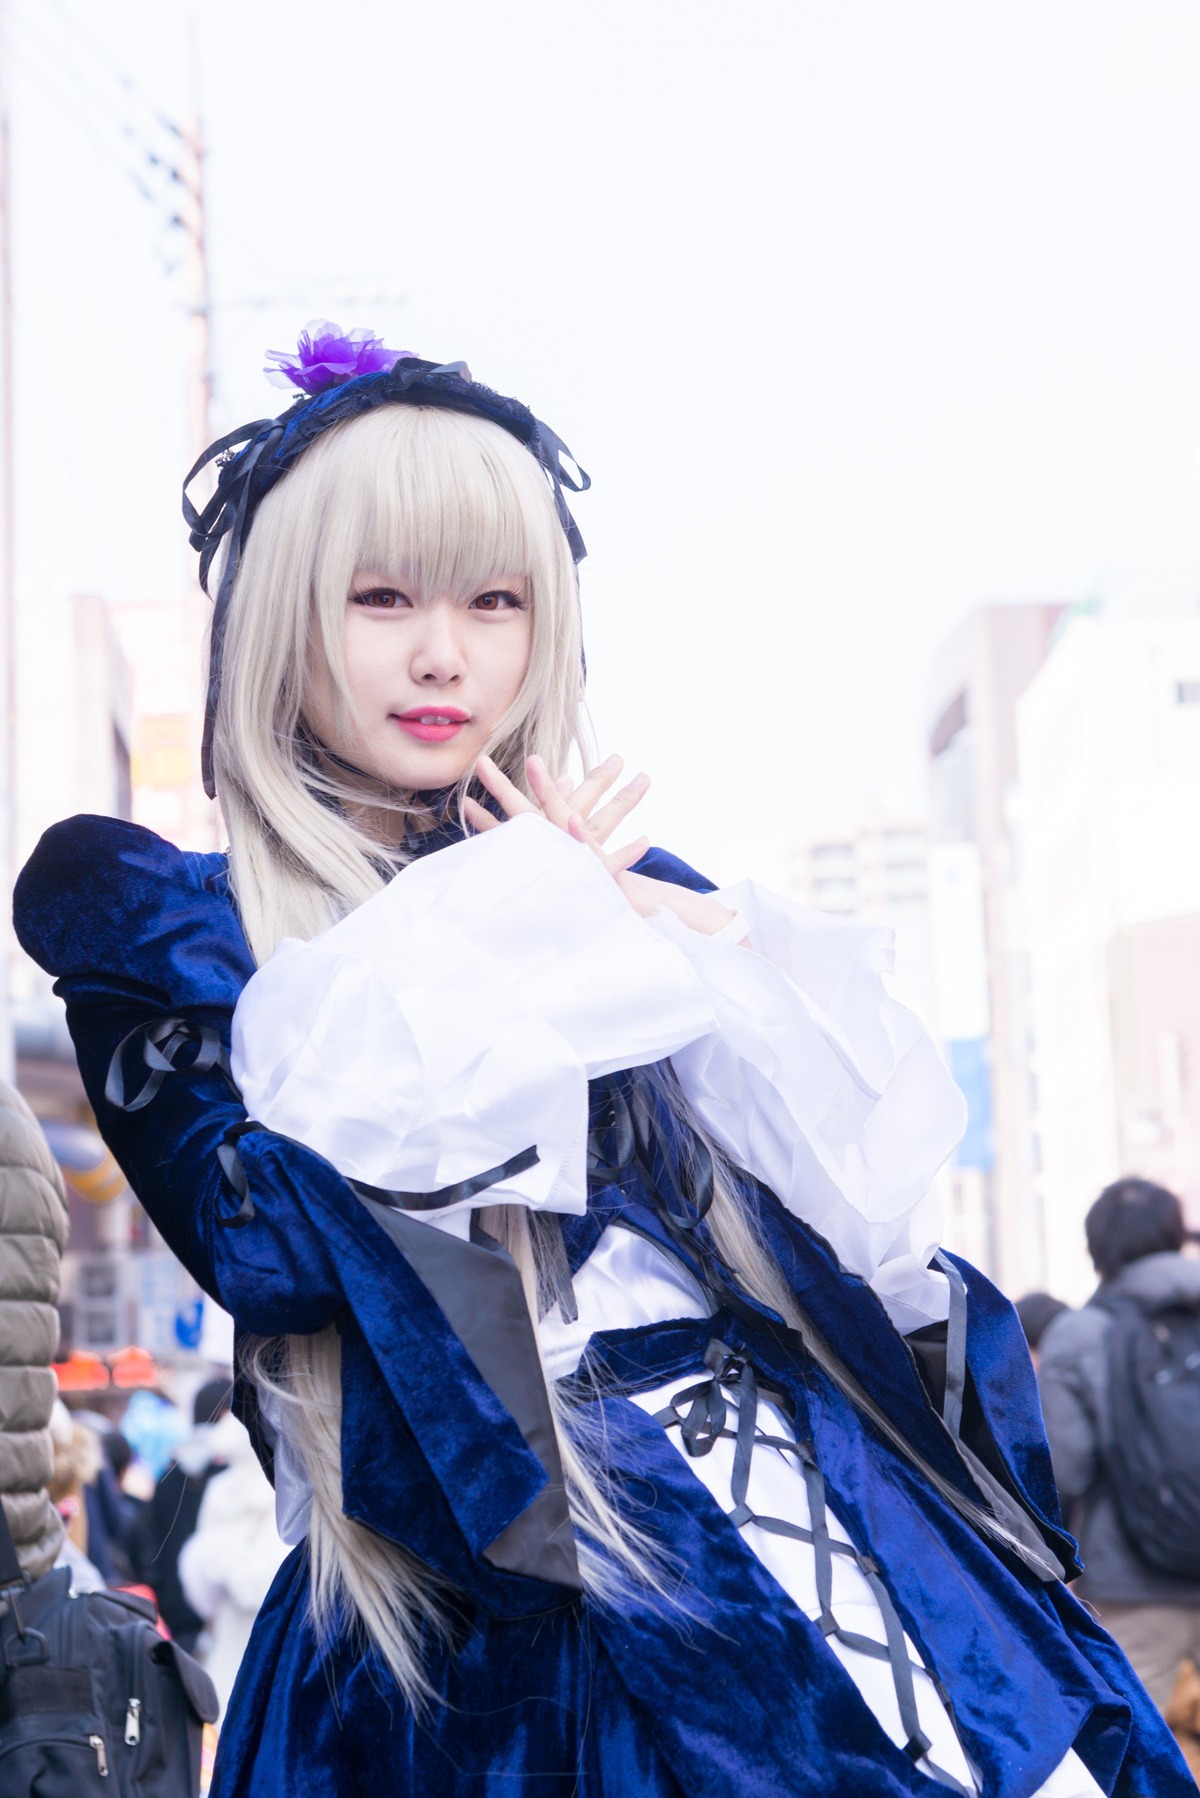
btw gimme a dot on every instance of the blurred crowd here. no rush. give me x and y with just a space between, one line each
1120 1388
172 1506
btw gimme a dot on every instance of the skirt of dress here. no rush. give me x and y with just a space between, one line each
520 1712
570 1704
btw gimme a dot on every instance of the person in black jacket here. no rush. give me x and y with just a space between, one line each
176 1506
1135 1235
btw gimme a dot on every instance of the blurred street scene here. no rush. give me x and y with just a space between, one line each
927 654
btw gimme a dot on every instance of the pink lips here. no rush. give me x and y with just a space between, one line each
434 723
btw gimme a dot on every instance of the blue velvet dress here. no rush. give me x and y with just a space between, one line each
730 1689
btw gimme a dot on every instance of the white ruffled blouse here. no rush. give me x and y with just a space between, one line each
455 1019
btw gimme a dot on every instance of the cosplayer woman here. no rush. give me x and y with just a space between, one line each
631 1434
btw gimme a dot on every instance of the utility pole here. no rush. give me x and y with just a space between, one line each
194 222
169 739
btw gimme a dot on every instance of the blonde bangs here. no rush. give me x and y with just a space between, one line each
442 499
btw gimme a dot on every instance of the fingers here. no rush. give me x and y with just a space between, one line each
579 829
510 797
594 784
478 817
561 804
605 821
616 860
621 860
554 805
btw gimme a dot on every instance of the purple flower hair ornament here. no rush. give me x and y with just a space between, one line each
326 355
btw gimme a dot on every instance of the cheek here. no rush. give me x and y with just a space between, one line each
372 654
365 665
510 663
321 705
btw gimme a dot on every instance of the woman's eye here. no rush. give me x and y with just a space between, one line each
380 599
498 601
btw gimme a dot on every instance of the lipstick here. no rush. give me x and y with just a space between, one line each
433 723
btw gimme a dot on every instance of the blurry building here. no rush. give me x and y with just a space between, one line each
850 856
164 645
980 976
74 725
85 747
74 715
1109 742
854 858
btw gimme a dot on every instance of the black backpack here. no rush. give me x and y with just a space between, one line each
1153 1461
93 1701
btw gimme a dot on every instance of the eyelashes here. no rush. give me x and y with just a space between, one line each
391 599
381 599
510 601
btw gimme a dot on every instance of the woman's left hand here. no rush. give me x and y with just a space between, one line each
573 809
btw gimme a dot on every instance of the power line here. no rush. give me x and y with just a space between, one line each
152 155
99 57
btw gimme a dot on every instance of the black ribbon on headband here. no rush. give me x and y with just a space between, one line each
253 458
227 514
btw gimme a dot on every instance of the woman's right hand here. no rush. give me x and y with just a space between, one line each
571 808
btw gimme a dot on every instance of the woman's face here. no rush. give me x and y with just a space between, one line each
430 677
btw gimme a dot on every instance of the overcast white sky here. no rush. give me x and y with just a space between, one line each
858 313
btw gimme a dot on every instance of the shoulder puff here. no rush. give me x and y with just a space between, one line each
109 907
103 903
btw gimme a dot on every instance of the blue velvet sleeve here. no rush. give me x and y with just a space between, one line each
134 930
133 934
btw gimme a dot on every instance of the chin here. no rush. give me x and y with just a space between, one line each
419 772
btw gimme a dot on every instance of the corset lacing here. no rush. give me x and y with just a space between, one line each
700 1412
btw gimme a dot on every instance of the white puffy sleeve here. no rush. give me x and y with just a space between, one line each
450 1024
825 1088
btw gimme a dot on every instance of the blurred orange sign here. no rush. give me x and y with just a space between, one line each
163 753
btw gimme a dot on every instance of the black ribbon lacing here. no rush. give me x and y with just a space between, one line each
184 1046
701 1414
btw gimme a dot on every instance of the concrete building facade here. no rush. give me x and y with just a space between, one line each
1109 754
852 857
979 963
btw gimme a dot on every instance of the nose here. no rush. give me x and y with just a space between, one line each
437 657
